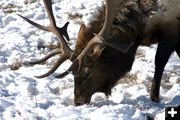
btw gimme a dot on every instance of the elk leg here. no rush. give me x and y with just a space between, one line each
162 55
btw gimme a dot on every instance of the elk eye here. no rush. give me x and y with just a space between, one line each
92 53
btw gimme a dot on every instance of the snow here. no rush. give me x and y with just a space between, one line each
24 97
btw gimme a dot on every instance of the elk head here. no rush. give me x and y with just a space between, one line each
87 59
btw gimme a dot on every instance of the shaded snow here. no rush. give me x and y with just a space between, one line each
24 97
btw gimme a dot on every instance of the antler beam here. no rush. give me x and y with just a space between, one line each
98 42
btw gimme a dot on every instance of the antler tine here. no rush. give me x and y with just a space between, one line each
62 30
48 6
34 23
66 51
52 27
51 54
72 67
54 68
99 41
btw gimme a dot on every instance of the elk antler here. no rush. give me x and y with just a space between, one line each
98 43
64 50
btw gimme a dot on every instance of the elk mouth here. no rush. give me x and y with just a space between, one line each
82 101
81 96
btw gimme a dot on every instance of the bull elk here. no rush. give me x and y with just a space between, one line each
106 48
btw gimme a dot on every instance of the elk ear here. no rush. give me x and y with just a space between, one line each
84 36
82 31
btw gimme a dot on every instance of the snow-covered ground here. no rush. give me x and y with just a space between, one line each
24 97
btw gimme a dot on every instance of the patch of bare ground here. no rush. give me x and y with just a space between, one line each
129 78
132 78
140 54
16 64
75 17
10 8
168 79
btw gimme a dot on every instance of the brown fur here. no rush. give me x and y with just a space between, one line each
132 20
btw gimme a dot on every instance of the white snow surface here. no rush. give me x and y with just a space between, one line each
24 97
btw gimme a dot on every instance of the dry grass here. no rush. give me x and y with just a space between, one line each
16 64
76 17
53 46
140 54
129 78
10 8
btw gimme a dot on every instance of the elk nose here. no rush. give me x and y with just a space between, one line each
79 103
